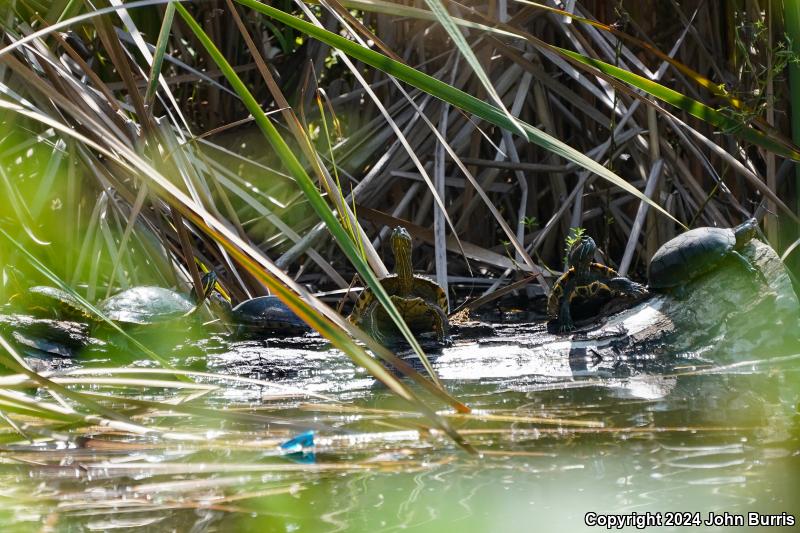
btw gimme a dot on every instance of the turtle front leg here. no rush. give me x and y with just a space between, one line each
755 272
564 321
370 323
440 323
744 262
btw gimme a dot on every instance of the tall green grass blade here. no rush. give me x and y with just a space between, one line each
306 184
158 56
463 46
699 79
768 140
452 95
345 219
685 103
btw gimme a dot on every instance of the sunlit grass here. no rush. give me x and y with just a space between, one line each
148 149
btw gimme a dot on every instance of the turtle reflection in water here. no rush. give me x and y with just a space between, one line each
696 252
587 280
421 302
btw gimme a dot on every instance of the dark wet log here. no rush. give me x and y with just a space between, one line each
724 315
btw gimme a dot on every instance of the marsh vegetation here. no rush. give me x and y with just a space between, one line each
276 145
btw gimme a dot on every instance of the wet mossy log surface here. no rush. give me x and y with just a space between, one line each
722 315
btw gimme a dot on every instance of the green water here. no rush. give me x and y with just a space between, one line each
631 441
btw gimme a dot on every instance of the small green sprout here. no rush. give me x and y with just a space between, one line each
573 236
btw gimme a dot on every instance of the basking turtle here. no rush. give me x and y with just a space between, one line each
52 302
585 279
151 305
260 316
421 302
696 252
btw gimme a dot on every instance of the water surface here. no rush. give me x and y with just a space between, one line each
559 439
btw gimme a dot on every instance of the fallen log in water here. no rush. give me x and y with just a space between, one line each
723 314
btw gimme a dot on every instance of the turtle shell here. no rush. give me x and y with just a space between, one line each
421 287
592 288
56 303
689 255
146 305
418 307
267 312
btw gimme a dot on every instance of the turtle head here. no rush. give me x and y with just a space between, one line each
208 281
401 246
220 303
582 253
745 231
401 240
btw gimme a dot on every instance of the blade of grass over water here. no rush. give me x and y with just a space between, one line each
9 358
309 189
450 94
53 278
332 328
279 387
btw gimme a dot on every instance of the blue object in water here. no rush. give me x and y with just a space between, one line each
296 444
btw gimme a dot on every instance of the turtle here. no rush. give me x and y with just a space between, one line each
145 305
52 302
260 315
588 280
696 252
421 301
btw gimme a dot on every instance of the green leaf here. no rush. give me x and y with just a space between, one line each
681 101
452 95
158 56
463 46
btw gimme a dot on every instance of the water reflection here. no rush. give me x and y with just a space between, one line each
624 436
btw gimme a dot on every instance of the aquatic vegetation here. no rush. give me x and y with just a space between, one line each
275 146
